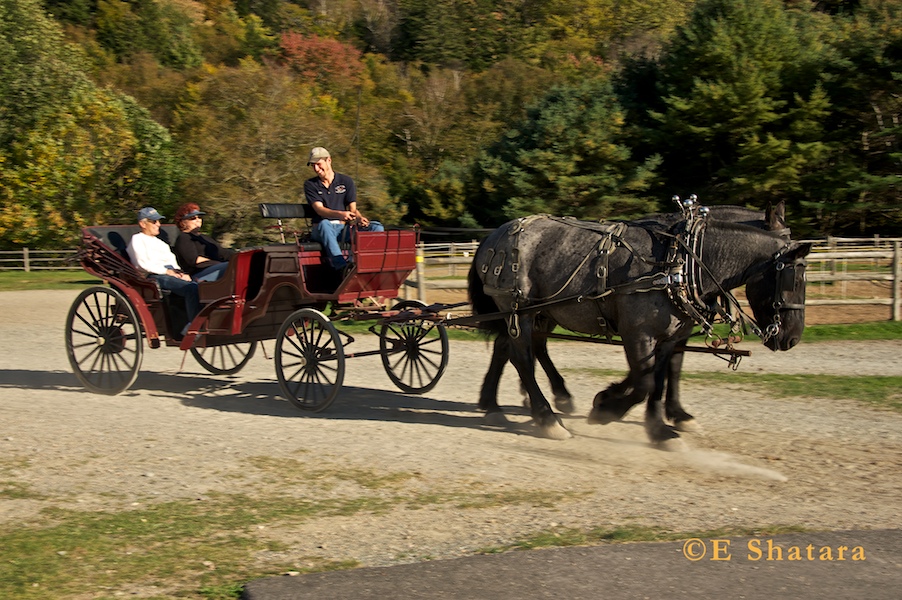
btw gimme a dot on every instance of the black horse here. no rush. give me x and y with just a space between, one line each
771 219
648 281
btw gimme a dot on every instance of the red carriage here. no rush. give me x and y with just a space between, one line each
282 292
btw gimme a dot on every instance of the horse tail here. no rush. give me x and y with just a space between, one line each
481 302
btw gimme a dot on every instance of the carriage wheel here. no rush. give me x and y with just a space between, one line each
310 360
227 359
414 351
103 340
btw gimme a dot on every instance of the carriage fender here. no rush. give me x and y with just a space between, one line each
140 306
204 314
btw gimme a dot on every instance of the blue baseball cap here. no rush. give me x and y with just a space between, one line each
149 213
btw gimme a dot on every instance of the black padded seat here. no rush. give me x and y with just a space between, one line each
117 237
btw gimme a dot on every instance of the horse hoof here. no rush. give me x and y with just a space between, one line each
564 404
496 419
672 445
689 426
556 431
601 417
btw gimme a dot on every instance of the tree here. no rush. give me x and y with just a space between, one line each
248 131
741 105
72 154
565 158
160 27
459 33
859 192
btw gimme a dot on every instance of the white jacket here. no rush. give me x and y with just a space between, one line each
151 254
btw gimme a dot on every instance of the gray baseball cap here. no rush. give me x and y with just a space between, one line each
149 213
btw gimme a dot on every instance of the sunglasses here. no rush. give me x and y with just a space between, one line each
191 218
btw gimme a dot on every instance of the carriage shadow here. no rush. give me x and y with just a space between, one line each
38 380
353 404
237 395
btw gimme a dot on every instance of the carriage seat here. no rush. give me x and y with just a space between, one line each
117 263
294 211
117 237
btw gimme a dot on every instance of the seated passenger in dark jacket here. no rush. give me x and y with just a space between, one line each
199 255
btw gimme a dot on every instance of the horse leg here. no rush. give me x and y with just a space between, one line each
660 433
523 359
488 395
673 409
563 401
613 403
645 381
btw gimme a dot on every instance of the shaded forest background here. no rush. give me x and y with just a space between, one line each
452 113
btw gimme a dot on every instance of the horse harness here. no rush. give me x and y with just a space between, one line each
680 275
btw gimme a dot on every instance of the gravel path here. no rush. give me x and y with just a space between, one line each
185 434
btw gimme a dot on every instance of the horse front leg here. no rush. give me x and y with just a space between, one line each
612 403
660 433
673 409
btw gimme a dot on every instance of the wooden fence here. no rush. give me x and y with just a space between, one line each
835 265
27 259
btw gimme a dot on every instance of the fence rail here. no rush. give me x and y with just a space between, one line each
27 259
833 261
443 266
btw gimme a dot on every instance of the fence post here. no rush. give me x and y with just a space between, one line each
421 275
25 260
897 281
452 271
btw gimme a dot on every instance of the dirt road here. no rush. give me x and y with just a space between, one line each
185 434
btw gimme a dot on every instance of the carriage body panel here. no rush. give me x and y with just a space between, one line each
260 287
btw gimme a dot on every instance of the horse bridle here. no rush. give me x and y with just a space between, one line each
685 292
785 283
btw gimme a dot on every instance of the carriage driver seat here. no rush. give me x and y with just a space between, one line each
289 211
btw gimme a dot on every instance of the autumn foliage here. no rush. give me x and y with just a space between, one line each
322 60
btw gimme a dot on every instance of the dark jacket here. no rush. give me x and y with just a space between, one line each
189 246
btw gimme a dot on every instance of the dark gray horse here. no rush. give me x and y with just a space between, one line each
771 219
649 281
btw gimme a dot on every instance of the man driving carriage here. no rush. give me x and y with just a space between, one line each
333 197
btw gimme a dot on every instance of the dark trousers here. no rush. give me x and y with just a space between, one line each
185 289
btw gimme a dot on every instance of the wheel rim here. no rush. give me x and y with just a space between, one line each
309 360
414 352
103 340
226 359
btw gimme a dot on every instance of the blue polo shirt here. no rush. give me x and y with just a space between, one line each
337 196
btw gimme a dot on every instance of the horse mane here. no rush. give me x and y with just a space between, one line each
744 228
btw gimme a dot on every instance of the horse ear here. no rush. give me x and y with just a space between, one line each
776 215
802 250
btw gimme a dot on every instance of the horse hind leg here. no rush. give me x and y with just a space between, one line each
488 395
522 357
563 400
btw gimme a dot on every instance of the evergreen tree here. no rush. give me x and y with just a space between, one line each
742 107
565 158
859 193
